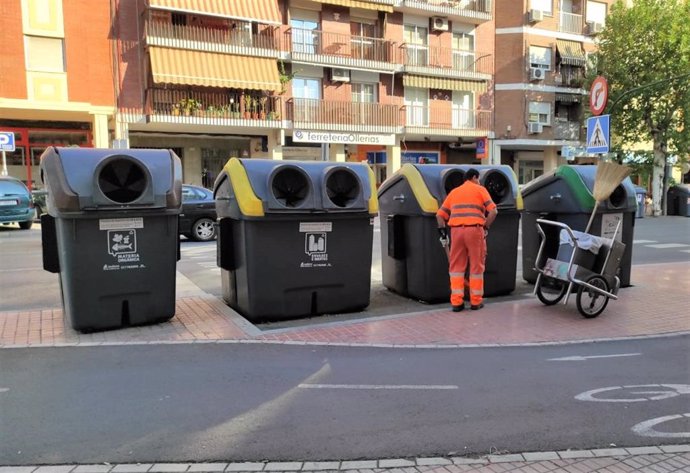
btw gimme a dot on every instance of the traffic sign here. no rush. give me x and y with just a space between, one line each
598 134
6 141
481 148
598 95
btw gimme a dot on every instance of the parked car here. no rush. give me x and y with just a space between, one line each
15 203
38 196
198 213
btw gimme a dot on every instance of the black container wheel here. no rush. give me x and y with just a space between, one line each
550 290
591 303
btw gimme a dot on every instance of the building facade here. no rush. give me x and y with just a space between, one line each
543 51
56 81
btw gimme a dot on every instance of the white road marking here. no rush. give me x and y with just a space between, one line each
378 386
663 246
646 428
653 392
587 357
20 269
4 390
635 242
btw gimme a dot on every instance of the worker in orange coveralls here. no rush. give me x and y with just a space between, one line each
469 212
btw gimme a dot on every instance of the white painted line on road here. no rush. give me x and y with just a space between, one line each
4 390
663 246
651 392
635 242
20 269
378 386
646 428
588 357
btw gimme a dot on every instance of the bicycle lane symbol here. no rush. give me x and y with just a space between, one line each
642 393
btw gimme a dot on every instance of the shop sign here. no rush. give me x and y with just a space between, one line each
419 157
304 136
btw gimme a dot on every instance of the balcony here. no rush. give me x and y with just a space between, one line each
570 23
341 50
476 11
570 76
447 62
444 119
231 41
566 130
344 116
220 108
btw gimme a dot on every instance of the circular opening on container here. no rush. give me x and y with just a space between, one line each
290 187
453 179
122 180
498 186
618 197
342 187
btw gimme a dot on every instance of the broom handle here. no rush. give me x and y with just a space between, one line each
591 218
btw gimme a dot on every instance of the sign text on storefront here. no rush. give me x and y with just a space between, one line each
304 136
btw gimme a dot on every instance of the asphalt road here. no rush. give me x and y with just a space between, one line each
238 402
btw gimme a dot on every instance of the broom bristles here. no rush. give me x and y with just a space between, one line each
609 176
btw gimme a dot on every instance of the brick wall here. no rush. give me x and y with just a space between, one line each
130 54
13 70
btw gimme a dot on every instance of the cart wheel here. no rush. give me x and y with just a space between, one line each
551 290
589 302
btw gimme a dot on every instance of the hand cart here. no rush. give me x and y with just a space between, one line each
589 262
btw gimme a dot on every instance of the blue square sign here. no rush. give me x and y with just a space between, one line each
6 141
598 134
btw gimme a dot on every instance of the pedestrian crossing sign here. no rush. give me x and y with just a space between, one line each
598 134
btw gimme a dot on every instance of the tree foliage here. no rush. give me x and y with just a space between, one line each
643 46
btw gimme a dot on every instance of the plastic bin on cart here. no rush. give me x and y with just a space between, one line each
295 238
413 262
111 233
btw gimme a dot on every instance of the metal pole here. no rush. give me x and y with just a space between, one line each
4 164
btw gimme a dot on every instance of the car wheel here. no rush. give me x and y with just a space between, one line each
25 225
203 230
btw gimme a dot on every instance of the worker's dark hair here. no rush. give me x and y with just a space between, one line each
471 174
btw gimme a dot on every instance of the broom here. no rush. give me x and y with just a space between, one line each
609 176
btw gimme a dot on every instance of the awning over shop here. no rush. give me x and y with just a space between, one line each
442 83
358 4
571 52
568 98
182 66
264 11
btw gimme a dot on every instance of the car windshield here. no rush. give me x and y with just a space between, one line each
12 187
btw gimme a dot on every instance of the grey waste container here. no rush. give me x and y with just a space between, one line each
111 233
413 262
295 238
641 195
678 200
565 195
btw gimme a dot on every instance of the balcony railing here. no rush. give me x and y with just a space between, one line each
439 60
361 116
564 130
570 23
212 39
479 9
446 117
571 76
200 106
341 49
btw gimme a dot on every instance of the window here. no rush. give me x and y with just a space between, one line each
416 104
362 34
540 57
596 12
544 5
540 112
463 52
44 54
528 170
304 37
364 93
415 39
305 88
463 109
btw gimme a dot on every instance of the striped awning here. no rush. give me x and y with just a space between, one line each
568 98
358 4
424 82
182 66
571 52
264 11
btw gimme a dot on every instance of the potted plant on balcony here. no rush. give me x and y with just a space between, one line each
248 105
262 107
189 106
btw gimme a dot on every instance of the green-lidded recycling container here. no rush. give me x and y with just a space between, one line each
565 195
678 200
414 264
295 238
111 233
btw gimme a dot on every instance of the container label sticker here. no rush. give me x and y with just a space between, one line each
316 226
315 246
122 245
609 222
120 223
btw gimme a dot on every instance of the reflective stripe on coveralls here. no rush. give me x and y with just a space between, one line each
467 243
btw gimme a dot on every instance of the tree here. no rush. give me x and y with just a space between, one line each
644 53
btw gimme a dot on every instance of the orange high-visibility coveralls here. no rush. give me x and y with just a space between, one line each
464 211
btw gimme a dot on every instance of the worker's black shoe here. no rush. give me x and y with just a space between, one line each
458 308
477 307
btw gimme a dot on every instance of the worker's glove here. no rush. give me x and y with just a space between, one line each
443 233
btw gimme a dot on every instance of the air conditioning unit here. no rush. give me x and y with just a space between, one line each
535 15
439 23
340 75
594 28
534 128
536 73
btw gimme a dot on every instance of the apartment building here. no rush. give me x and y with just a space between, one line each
56 81
383 81
543 50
